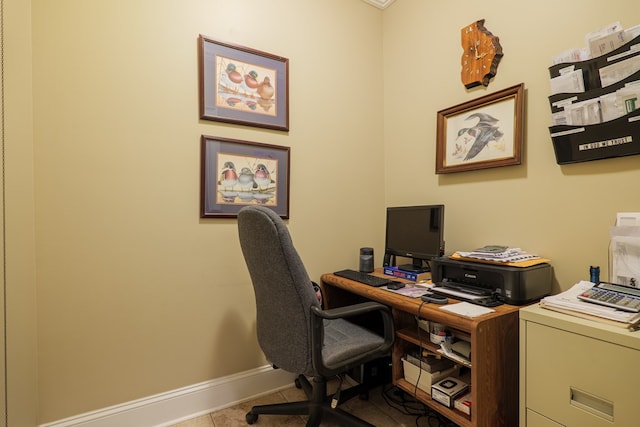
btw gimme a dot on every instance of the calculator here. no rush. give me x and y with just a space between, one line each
613 295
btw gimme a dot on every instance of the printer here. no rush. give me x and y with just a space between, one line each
490 284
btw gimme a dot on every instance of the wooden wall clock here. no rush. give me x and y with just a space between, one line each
481 55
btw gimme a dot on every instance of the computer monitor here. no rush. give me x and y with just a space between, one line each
415 232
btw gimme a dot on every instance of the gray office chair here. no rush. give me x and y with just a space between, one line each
294 332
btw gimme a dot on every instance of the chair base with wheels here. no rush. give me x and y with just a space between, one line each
319 407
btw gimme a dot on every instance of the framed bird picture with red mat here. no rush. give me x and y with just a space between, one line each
486 132
235 173
243 86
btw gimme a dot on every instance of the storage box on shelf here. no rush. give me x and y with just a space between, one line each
424 380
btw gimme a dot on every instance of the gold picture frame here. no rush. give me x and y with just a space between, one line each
486 132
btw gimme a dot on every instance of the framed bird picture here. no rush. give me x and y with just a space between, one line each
237 173
243 86
486 132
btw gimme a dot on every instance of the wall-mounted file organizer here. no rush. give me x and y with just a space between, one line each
616 138
601 135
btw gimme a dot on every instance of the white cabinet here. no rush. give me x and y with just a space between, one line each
576 372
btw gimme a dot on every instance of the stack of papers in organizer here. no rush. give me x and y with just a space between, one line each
568 302
498 253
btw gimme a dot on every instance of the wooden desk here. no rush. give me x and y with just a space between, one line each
494 349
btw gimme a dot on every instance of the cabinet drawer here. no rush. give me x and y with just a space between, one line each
580 381
536 420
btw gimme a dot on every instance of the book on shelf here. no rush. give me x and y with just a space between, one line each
463 403
567 302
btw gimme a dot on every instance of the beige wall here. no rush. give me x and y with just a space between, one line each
136 295
561 212
19 240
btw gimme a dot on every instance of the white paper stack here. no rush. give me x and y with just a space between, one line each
498 254
568 302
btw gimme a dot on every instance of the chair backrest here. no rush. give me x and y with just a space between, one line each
283 291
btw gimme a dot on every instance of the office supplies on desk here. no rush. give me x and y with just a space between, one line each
395 285
498 253
612 295
467 310
366 278
407 275
625 255
434 298
410 290
568 302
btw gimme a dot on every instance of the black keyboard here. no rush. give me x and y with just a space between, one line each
366 278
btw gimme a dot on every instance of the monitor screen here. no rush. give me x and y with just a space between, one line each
415 232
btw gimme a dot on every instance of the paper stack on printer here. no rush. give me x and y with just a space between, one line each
568 302
498 253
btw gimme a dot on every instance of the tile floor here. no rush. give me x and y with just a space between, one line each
386 407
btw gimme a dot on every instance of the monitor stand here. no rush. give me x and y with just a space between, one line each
415 267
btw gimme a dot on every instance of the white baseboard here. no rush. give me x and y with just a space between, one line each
172 407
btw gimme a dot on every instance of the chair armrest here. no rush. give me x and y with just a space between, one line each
353 310
317 327
349 310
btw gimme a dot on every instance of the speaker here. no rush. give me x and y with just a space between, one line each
366 260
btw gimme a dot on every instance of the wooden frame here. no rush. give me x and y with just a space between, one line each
486 132
238 173
241 85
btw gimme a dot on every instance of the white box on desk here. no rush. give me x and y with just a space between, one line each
412 372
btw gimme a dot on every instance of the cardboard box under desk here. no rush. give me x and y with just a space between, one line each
411 373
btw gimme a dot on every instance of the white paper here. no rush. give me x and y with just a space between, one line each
632 32
609 107
467 309
571 82
619 71
601 32
628 219
582 113
607 43
625 252
445 348
411 290
568 300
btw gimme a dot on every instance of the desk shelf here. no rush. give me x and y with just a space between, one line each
406 339
494 350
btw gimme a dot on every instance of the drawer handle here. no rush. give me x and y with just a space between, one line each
591 403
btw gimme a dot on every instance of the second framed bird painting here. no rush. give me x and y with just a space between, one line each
486 132
238 173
